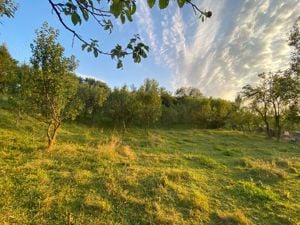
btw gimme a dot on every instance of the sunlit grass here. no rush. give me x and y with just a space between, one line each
171 176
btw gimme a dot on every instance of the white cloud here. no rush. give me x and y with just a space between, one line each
232 56
146 25
226 52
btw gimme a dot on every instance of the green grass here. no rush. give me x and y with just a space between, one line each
172 176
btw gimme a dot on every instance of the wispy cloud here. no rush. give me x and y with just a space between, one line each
146 25
226 52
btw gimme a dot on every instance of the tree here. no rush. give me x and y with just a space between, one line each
259 100
294 72
220 110
271 98
54 86
184 92
7 69
19 89
93 94
7 8
169 112
120 106
294 42
148 103
241 116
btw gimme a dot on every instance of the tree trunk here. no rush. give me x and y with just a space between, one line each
268 131
278 127
52 133
18 116
124 126
264 117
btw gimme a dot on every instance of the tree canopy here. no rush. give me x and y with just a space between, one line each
54 86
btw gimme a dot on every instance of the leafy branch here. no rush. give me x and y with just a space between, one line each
83 10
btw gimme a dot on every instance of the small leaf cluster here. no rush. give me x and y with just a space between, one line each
91 47
7 8
138 50
123 9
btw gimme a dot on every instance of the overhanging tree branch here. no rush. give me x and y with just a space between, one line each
80 10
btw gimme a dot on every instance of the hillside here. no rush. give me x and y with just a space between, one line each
171 176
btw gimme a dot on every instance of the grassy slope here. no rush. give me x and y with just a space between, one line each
170 177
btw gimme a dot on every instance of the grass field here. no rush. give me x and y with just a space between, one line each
171 176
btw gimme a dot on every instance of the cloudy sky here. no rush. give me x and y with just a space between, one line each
219 56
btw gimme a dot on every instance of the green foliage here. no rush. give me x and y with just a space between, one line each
272 98
277 95
54 86
148 103
163 4
7 8
151 3
295 43
121 106
188 92
7 69
93 94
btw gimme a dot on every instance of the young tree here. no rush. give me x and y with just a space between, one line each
148 103
53 86
271 98
259 101
220 111
93 94
121 107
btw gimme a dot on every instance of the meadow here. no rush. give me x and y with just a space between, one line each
174 176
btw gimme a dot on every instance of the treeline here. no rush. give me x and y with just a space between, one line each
49 90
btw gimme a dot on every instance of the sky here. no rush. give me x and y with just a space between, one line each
218 56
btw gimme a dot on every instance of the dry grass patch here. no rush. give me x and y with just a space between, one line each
114 150
67 150
164 215
179 176
155 140
108 150
233 218
193 200
94 202
83 176
264 170
127 152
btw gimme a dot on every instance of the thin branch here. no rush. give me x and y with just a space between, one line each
75 34
195 7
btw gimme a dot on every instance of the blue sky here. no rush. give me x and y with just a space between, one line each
219 56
